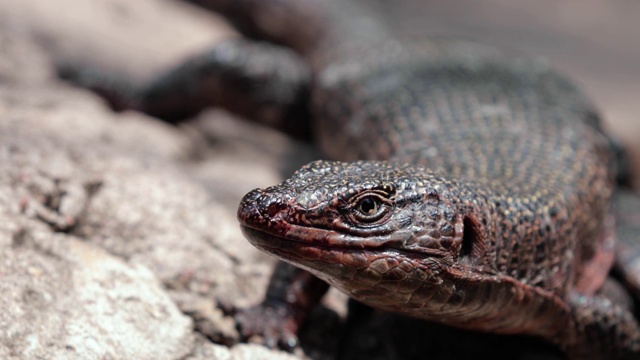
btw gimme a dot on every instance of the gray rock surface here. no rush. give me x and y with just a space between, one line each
99 219
65 299
116 237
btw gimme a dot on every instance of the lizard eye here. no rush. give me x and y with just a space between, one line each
370 208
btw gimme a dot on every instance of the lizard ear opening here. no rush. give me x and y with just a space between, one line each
470 239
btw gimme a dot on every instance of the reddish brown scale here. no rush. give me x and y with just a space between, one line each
483 203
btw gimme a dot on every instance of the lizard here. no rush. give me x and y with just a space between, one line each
473 189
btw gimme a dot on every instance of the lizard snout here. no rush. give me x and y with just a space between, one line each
259 208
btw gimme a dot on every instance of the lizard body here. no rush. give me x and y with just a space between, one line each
484 203
473 186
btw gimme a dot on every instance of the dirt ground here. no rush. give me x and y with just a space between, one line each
118 232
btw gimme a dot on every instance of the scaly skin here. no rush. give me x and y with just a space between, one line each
488 205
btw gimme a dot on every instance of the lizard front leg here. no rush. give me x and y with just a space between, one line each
291 295
602 327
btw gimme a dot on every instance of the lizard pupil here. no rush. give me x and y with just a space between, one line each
369 209
369 206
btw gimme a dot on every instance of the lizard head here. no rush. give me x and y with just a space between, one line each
359 224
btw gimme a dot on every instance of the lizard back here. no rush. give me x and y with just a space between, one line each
505 124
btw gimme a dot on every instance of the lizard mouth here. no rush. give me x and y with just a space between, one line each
290 247
328 262
266 240
261 238
307 254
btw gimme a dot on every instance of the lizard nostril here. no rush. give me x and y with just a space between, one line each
269 206
273 209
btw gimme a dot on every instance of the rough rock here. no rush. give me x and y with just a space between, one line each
63 298
109 235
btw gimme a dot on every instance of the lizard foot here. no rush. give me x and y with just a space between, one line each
274 327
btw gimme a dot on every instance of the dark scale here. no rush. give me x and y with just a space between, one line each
499 142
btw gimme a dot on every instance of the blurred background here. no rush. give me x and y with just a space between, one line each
596 42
